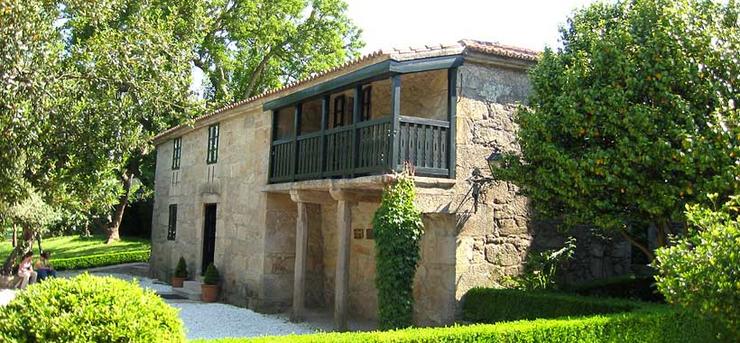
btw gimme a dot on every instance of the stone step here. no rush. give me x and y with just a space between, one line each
192 285
187 293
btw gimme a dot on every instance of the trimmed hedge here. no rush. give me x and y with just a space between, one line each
626 287
100 260
89 309
488 305
659 324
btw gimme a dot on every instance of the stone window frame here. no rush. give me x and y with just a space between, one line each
213 134
176 152
172 223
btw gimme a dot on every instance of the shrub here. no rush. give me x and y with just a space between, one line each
488 305
182 269
398 229
212 276
701 271
626 287
89 309
541 268
100 260
658 325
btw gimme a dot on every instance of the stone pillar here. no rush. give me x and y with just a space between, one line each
302 198
341 286
301 249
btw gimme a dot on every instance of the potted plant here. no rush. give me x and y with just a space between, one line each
209 288
181 273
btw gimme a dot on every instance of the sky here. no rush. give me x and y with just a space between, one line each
401 23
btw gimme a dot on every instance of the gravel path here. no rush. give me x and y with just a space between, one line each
207 320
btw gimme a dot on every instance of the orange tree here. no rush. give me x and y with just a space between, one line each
635 116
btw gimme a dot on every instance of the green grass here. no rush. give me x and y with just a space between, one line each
76 246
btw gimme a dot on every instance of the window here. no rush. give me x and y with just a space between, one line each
172 223
213 132
176 151
339 104
367 93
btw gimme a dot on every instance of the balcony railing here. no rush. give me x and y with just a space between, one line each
366 148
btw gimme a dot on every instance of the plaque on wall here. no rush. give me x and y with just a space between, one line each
359 233
369 234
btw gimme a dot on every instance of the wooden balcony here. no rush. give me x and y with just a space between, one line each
365 148
361 146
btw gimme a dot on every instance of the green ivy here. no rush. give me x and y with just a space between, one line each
398 230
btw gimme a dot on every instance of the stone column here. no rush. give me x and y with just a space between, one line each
302 198
301 252
341 283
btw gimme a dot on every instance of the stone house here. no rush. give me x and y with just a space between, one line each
279 190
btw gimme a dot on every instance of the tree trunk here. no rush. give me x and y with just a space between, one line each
86 233
127 178
38 240
15 235
645 250
20 249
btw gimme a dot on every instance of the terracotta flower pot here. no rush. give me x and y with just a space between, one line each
177 281
208 293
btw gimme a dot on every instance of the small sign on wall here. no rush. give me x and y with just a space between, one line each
359 233
369 234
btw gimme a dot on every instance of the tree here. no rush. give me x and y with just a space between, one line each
398 230
130 64
253 46
633 117
700 270
30 93
31 214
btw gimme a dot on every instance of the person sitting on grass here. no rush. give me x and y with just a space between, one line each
25 271
44 267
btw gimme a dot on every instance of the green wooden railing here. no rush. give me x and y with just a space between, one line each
365 148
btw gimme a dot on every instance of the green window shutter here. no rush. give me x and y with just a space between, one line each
172 223
176 153
213 133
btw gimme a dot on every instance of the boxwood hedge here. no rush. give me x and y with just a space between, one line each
488 305
100 260
89 309
657 325
576 319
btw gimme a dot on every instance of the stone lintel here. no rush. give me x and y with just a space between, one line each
373 182
311 197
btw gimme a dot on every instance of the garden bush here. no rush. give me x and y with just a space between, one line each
89 309
657 325
100 260
626 287
488 305
700 271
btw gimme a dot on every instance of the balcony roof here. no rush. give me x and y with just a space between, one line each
387 60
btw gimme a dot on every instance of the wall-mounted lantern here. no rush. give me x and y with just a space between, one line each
495 161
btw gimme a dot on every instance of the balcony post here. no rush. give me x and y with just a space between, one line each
452 118
395 121
273 129
356 105
296 133
324 124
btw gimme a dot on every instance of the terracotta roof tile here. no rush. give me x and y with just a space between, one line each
408 53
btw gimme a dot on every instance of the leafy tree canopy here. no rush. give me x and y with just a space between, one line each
635 116
253 46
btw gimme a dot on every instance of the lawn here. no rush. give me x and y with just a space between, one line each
76 246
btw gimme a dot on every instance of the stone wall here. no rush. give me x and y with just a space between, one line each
234 184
